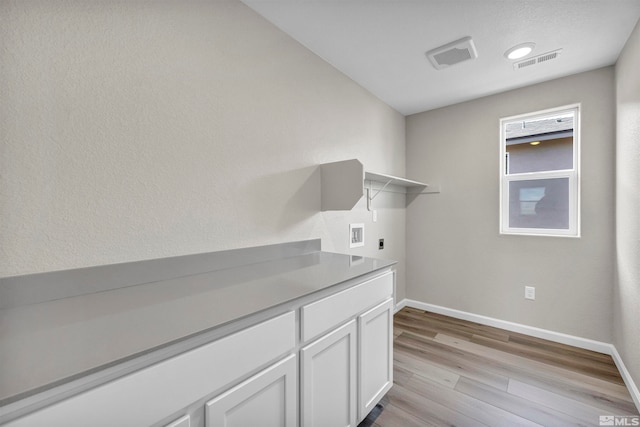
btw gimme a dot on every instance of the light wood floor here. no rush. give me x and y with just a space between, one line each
453 372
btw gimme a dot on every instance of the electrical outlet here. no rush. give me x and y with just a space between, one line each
530 292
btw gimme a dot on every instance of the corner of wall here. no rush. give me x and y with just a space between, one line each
626 295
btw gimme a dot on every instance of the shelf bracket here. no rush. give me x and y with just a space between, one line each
370 197
382 189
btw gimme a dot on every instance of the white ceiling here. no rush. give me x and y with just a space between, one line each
381 44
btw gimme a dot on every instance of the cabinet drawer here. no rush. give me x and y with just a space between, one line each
329 312
160 390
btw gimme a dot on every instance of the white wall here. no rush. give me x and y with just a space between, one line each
135 129
626 301
455 255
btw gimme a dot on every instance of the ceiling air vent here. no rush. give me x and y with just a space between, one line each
452 53
536 59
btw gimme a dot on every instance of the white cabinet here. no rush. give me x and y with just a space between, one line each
268 399
346 372
375 356
328 379
151 394
329 370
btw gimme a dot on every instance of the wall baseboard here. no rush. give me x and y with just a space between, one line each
546 334
626 376
585 343
399 306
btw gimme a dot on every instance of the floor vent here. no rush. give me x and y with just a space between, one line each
537 59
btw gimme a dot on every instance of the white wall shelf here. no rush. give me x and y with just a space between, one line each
345 182
411 186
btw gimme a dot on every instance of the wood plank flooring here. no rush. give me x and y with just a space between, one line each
450 372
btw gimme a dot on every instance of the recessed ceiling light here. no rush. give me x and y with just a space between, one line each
535 143
519 51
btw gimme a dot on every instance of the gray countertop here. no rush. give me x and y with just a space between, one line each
47 342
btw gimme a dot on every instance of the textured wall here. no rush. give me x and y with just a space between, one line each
142 129
455 255
626 302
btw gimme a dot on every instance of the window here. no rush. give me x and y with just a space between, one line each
539 179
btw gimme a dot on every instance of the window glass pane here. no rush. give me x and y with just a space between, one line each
539 203
541 144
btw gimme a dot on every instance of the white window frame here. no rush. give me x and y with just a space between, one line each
572 174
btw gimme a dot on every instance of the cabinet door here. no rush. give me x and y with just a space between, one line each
328 383
267 399
375 345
